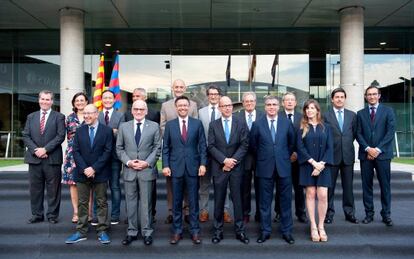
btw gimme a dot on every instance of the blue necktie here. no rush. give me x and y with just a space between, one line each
273 130
250 121
91 135
138 134
340 120
227 130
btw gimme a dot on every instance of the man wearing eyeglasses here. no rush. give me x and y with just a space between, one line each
375 135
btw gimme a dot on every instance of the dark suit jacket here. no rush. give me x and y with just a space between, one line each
152 116
249 161
272 155
380 134
344 149
51 140
114 122
307 149
297 118
99 156
220 150
179 155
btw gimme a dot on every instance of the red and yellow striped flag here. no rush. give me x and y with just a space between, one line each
99 85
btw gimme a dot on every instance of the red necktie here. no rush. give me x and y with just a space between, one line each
184 132
42 123
106 117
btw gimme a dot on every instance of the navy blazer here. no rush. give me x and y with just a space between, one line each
271 156
379 134
307 148
220 150
297 118
179 155
98 157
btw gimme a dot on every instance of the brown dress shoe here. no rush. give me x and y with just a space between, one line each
203 216
175 239
227 218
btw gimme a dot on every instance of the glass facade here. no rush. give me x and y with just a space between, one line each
28 65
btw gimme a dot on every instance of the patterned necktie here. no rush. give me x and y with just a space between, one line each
91 135
42 123
372 114
250 121
107 118
213 114
290 117
340 120
227 130
184 132
138 134
273 130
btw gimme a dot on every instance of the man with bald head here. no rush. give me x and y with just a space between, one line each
138 147
227 145
169 112
92 150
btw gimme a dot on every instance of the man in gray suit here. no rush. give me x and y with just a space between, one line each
138 147
168 112
343 125
113 119
43 135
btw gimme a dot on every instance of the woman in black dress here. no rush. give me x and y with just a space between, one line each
315 153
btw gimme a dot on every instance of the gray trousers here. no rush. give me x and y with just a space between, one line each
138 197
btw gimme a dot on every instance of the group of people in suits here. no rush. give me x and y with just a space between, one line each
215 147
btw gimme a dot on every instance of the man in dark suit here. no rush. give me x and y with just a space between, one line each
375 135
227 144
247 116
289 103
138 147
43 135
152 115
92 151
113 119
184 159
272 138
343 125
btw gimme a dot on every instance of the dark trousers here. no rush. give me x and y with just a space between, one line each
179 185
115 187
347 179
266 186
40 176
220 183
154 197
84 190
248 175
383 170
299 193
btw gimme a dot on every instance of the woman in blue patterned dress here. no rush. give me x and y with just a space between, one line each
315 153
73 121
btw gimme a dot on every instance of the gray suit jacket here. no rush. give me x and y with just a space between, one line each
51 140
204 116
149 149
114 122
343 141
169 112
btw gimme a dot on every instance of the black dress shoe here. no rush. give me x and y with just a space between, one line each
277 218
328 220
187 219
352 219
302 218
169 219
367 220
217 238
387 222
35 219
262 238
52 220
175 239
148 240
288 238
128 240
243 238
196 239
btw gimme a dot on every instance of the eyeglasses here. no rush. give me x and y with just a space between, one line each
226 106
213 94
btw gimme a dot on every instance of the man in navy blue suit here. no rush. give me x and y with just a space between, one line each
375 135
92 151
184 159
272 138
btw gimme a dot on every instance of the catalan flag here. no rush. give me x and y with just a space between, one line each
99 85
114 83
252 70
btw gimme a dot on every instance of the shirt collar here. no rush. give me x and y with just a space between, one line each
47 112
142 121
336 110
